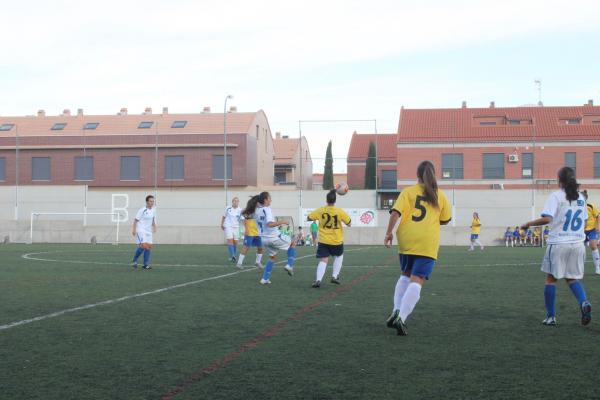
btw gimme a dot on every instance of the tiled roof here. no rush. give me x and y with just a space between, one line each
285 150
464 124
359 146
200 123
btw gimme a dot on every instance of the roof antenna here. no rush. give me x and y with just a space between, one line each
538 85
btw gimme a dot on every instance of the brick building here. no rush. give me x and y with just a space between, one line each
293 162
169 150
496 148
385 145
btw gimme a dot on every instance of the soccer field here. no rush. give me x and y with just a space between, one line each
194 327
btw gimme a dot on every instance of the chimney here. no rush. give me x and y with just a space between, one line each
66 112
206 110
123 111
148 110
41 113
80 112
285 137
277 135
165 110
492 104
464 104
233 109
590 102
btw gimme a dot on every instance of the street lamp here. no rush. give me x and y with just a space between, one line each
229 97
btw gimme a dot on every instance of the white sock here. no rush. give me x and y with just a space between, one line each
321 270
507 243
258 257
596 258
240 259
471 248
337 265
409 300
477 242
401 286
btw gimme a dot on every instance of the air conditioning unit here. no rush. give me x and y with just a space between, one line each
513 158
498 186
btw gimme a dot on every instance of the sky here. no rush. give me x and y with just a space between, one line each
297 61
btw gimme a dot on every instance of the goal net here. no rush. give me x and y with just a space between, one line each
73 227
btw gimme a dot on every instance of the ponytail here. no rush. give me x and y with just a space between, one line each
331 197
250 206
567 181
585 194
426 175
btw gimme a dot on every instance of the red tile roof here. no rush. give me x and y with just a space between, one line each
359 146
200 123
463 124
285 149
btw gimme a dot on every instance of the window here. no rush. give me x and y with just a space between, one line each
84 168
8 127
145 125
174 168
493 166
130 168
487 123
217 165
594 122
179 124
58 126
571 161
40 168
527 165
452 166
388 179
596 165
2 169
91 125
573 121
514 122
280 177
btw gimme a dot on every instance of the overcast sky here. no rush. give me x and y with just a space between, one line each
307 60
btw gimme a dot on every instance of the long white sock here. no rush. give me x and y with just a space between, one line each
596 258
409 300
337 265
321 270
241 259
472 246
477 242
258 257
401 286
507 243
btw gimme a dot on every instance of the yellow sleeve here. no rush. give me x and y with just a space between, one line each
314 216
401 204
596 212
345 217
445 210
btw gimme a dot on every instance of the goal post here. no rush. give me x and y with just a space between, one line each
115 221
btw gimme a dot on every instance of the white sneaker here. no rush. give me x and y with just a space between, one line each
258 265
239 266
550 321
289 270
481 248
265 281
597 271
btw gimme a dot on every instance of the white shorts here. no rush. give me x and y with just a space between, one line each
273 244
565 260
143 237
232 233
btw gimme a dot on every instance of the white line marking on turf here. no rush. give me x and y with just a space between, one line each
133 296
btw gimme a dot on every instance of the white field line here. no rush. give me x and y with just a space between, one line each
133 296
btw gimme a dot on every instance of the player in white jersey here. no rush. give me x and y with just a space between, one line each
230 223
565 212
144 225
272 239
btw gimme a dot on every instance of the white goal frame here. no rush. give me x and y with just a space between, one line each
84 214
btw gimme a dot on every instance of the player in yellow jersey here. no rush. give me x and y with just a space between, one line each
421 208
331 238
251 233
475 231
592 226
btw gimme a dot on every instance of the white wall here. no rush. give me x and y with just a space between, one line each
193 215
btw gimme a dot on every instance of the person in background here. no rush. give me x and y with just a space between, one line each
592 226
314 228
508 237
537 239
475 230
251 234
144 225
516 235
230 224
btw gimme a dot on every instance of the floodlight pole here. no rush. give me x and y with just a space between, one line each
225 148
16 172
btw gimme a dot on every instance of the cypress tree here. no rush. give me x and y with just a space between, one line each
370 168
328 172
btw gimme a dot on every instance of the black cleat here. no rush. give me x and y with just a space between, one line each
400 326
586 313
392 318
317 284
146 267
335 280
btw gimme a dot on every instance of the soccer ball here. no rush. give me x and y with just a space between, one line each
341 188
